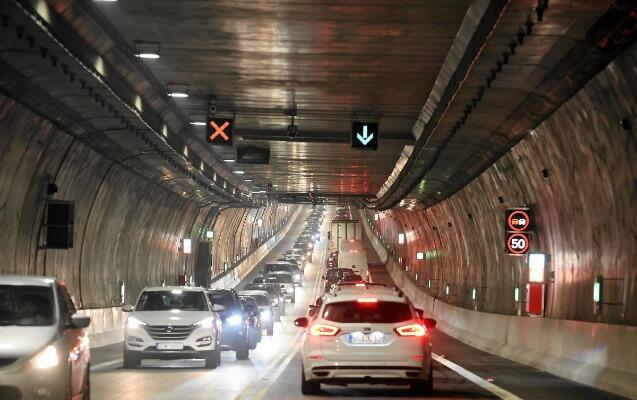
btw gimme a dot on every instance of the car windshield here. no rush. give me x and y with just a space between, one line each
280 278
278 267
384 312
26 305
163 300
336 273
223 298
261 300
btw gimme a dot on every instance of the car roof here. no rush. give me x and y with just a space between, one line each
26 280
252 292
171 288
351 293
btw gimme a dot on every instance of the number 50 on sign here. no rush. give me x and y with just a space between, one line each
517 243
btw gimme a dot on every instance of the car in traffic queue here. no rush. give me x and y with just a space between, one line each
171 322
286 281
333 275
235 327
298 256
266 309
44 347
253 317
305 248
284 266
275 294
370 335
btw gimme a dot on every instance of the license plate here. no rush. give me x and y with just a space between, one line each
370 338
170 346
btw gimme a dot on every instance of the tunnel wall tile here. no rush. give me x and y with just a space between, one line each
584 211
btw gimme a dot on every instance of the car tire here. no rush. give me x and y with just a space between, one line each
214 360
309 387
423 387
270 330
243 351
130 360
293 299
86 395
252 341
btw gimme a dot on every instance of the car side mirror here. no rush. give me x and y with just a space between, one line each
421 312
127 308
79 321
218 308
311 306
301 322
430 323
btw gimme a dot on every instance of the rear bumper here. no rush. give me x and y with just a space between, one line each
395 373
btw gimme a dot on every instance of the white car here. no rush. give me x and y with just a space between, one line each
172 322
370 335
44 347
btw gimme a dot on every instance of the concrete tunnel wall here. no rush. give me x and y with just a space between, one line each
577 171
127 229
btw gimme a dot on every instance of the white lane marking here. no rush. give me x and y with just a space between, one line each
470 376
107 364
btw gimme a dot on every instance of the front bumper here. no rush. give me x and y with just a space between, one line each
197 344
18 381
232 336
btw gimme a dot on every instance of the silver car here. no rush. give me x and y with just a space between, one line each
44 348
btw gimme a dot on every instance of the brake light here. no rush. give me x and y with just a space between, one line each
323 330
411 330
367 300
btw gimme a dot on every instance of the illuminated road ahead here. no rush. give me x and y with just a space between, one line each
273 370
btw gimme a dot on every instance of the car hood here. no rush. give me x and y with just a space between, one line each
20 341
171 318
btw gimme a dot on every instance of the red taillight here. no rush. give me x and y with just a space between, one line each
367 300
411 330
323 330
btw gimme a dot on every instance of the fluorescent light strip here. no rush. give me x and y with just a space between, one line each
152 56
178 94
198 123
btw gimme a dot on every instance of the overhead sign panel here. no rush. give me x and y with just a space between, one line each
219 131
365 135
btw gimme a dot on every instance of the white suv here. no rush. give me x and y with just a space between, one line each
172 323
370 335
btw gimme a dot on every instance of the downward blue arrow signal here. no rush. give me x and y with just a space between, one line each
364 139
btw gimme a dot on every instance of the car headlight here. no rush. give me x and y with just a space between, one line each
207 323
133 323
234 319
290 290
265 315
297 276
47 358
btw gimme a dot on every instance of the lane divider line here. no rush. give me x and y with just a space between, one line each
470 376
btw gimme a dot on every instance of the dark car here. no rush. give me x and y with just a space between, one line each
334 275
235 324
274 293
264 305
253 316
297 275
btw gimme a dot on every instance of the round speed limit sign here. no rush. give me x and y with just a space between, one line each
517 243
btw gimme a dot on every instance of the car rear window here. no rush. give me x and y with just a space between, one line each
282 278
278 267
162 300
26 305
261 300
223 298
384 312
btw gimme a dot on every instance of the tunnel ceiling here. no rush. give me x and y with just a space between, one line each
334 63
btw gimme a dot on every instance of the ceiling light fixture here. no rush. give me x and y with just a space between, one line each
144 49
198 123
239 172
179 90
228 160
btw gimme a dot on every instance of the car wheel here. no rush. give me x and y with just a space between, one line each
131 360
270 330
423 387
243 351
309 387
293 299
214 360
253 340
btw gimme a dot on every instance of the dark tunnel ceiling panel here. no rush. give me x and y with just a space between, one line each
331 61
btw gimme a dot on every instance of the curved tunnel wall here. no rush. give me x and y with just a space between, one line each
127 230
577 172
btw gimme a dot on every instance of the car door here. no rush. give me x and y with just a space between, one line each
75 341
